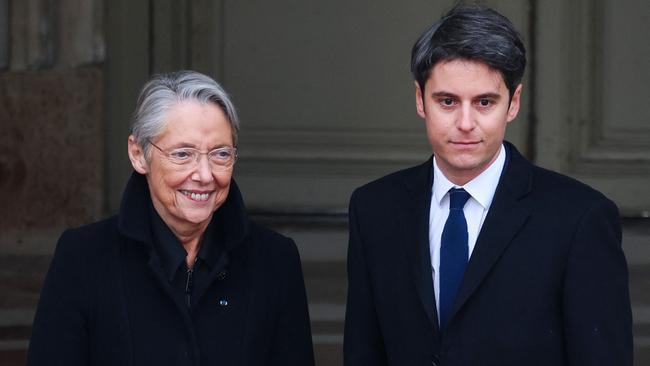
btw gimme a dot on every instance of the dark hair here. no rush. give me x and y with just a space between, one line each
473 33
163 91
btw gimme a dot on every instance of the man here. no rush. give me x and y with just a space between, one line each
478 257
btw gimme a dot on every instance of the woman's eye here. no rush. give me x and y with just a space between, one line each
221 154
181 154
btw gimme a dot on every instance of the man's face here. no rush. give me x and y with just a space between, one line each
466 110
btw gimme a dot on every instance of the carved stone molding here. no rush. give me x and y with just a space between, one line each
611 134
592 88
333 152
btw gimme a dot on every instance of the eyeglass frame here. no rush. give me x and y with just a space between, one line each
194 162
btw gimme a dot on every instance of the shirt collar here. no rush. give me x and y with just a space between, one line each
481 188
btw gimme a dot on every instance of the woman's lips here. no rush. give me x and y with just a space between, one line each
198 196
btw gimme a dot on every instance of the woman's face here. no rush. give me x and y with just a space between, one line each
186 196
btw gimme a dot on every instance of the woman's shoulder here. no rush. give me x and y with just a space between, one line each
274 259
272 244
96 230
94 239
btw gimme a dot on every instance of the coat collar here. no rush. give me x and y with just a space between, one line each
413 215
505 217
170 250
134 217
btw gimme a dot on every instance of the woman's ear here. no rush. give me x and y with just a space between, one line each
136 155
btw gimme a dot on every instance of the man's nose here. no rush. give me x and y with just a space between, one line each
466 118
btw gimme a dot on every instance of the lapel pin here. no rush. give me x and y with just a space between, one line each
223 302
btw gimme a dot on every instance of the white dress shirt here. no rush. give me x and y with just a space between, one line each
481 190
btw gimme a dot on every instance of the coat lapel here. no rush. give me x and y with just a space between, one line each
413 214
506 217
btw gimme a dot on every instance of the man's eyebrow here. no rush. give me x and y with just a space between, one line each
495 96
443 94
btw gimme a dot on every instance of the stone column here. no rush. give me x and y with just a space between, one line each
51 145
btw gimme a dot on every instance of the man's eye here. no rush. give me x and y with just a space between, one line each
447 102
484 102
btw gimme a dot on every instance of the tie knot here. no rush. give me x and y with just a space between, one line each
457 198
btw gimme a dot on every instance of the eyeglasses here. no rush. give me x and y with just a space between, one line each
220 159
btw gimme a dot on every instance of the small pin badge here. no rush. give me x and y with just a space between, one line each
221 276
223 302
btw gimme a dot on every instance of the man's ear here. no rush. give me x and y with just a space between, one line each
419 102
136 155
515 103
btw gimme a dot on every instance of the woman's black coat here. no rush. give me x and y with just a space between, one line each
106 300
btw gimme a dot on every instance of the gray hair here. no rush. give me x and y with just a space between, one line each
163 91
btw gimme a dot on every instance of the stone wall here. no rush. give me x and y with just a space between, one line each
51 120
52 157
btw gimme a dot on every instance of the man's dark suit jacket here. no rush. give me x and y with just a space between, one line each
107 300
546 284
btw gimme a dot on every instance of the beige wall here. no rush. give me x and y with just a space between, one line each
323 88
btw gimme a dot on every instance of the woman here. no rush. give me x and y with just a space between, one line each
180 276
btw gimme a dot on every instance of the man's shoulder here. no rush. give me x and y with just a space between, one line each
548 185
563 187
392 183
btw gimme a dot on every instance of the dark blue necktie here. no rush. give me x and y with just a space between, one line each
453 253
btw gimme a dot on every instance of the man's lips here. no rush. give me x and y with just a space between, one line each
465 143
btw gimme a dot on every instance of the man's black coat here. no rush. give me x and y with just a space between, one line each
106 300
546 284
